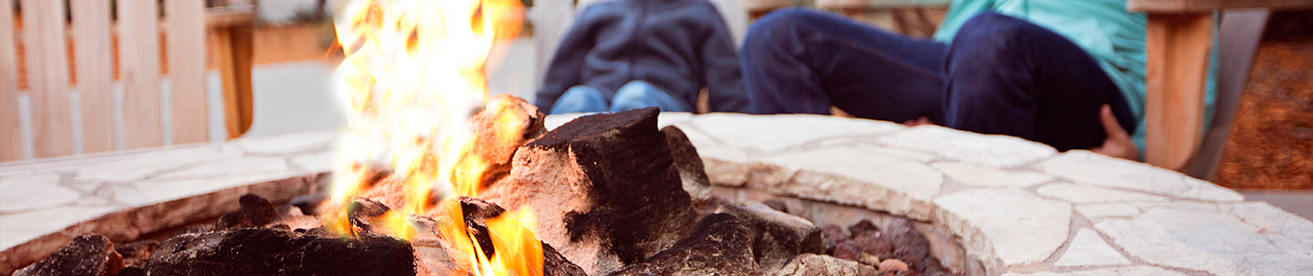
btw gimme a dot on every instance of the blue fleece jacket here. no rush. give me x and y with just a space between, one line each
680 46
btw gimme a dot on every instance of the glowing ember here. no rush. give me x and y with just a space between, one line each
414 76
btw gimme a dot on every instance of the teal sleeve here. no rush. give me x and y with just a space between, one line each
959 11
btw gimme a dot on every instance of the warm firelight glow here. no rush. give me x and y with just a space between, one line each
414 75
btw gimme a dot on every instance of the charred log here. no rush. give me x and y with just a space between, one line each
263 251
610 180
89 255
720 244
692 173
556 265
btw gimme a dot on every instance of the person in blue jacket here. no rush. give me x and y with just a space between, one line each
627 54
1067 73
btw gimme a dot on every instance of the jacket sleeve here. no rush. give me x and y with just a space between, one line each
720 68
563 71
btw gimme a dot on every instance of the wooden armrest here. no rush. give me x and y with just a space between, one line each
1179 6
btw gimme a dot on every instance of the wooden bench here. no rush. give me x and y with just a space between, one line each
58 113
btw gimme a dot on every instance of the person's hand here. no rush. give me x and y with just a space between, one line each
1118 144
918 121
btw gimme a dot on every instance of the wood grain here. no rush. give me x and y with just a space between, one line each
186 49
47 75
233 49
91 21
11 143
1178 47
139 71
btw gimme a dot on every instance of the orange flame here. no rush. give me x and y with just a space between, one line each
413 75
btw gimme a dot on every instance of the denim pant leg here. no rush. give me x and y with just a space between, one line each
802 61
580 99
639 94
1008 76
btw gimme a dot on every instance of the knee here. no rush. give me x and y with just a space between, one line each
784 20
992 32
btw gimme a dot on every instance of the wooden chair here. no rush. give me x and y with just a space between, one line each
67 118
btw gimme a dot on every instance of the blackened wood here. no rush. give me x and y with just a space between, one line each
720 244
135 252
263 251
692 174
640 205
255 212
87 255
556 265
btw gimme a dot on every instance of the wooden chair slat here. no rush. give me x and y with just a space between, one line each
47 77
186 44
11 144
91 30
139 71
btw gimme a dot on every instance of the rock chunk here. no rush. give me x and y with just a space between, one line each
721 244
692 173
822 265
89 255
264 251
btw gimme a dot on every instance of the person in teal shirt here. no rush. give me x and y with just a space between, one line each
1070 74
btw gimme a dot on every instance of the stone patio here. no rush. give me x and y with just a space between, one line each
1013 207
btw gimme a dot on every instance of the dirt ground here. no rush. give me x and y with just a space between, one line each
1271 143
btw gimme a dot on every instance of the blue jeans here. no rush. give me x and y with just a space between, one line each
633 95
999 75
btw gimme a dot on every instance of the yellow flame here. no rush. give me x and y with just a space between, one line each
413 77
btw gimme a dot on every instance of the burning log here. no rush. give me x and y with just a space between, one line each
88 255
265 251
604 187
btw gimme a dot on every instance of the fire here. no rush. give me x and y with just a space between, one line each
414 74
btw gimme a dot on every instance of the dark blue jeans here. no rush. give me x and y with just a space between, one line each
999 75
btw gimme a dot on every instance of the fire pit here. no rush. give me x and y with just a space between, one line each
988 205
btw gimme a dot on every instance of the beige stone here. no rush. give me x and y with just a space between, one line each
990 150
1085 194
879 182
33 191
1088 167
19 228
1096 212
556 120
1139 270
1209 241
780 132
229 167
1089 249
975 175
288 143
316 162
914 155
1017 226
142 164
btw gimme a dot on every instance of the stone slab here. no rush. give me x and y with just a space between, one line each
779 132
990 150
1218 243
33 191
287 143
1015 225
980 176
876 181
1086 194
1089 249
1139 270
1087 167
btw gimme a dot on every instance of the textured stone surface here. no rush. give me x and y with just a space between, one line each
287 143
1098 212
1088 248
1088 167
991 150
779 132
1140 270
1210 241
900 186
1084 194
1019 226
25 192
975 175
